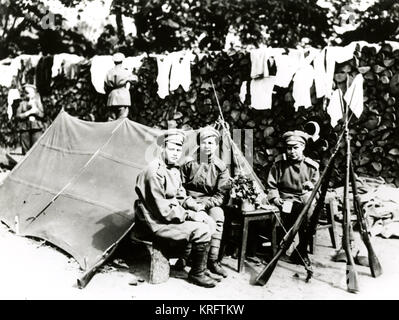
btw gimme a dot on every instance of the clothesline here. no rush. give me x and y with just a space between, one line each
270 67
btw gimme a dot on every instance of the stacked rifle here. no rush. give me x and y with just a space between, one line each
322 185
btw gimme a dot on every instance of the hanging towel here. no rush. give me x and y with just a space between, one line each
43 75
339 55
303 81
334 108
133 64
320 74
259 63
164 63
287 65
261 93
13 94
243 91
100 65
354 96
180 73
62 62
6 75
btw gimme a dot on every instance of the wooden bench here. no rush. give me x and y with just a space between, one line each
159 264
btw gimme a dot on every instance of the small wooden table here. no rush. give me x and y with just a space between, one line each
264 213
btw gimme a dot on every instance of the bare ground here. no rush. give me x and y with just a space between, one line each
32 269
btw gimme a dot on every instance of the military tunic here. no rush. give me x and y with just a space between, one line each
30 127
207 182
115 84
165 205
285 181
286 178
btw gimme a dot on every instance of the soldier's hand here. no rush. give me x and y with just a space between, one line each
278 202
307 186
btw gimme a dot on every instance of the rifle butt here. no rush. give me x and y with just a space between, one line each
375 266
266 273
352 282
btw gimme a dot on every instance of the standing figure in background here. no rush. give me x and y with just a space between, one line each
207 180
30 115
117 85
291 179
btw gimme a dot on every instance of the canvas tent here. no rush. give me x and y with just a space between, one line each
75 187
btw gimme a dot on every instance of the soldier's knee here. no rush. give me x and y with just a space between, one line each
217 214
202 233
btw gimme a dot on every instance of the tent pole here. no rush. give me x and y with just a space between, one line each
76 176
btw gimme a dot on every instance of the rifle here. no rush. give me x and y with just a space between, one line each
351 274
267 271
314 219
375 267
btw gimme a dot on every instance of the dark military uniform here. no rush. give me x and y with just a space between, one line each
285 181
208 182
115 85
286 178
30 127
165 209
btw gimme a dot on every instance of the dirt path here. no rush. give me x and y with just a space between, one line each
31 269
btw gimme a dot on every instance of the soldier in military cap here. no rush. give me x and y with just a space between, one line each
206 179
168 213
290 180
117 85
30 116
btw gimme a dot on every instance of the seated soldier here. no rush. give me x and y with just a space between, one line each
290 180
206 179
166 210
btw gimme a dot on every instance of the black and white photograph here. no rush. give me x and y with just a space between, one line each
199 150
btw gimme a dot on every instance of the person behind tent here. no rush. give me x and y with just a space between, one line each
290 180
207 180
165 209
117 85
29 114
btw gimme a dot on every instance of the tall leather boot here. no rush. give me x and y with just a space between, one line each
183 261
213 263
197 275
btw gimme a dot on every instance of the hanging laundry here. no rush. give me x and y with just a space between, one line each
164 63
339 55
334 108
261 93
303 81
60 60
180 73
354 95
100 65
71 69
13 94
243 91
133 64
263 61
43 75
320 74
258 58
287 65
6 75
